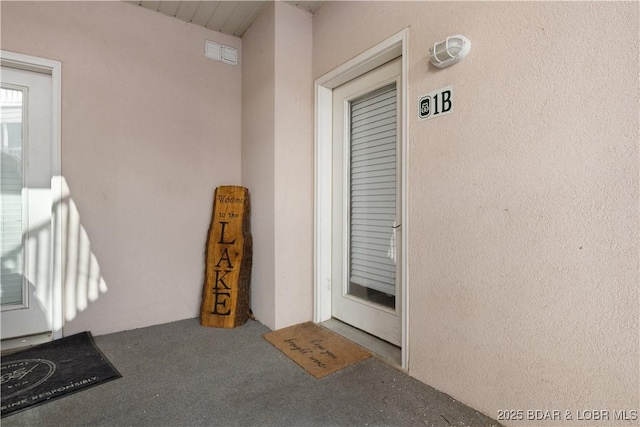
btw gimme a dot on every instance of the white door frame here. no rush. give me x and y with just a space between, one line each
54 69
396 45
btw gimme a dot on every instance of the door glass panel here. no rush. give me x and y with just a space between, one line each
11 207
372 196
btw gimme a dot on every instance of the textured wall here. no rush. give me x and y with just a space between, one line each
293 166
523 238
149 128
258 122
277 165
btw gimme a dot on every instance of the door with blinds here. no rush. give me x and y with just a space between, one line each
25 203
366 291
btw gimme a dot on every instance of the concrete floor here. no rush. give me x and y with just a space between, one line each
181 374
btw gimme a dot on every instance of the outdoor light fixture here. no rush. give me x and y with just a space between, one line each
450 51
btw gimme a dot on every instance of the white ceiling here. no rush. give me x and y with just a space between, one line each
228 17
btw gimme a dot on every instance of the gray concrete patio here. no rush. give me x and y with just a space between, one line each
181 374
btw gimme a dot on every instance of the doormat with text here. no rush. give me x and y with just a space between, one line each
52 370
317 350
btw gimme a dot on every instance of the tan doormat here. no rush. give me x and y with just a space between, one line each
317 350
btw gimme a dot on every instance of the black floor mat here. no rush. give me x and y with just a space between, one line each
52 370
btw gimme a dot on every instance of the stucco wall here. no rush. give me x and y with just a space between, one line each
277 164
258 151
150 128
523 203
293 166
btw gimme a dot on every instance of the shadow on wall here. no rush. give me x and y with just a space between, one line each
81 275
60 266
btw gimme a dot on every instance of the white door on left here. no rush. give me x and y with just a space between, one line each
26 203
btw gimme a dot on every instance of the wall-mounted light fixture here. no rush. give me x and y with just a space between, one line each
450 51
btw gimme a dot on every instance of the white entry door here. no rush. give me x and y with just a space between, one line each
366 164
26 203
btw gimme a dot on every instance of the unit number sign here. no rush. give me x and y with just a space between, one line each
436 103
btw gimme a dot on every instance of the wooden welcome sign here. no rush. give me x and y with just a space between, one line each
225 295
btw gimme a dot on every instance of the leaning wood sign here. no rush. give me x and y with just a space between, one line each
225 295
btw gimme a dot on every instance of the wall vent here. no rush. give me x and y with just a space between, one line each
218 52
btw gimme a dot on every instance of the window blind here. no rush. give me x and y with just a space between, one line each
11 183
372 215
